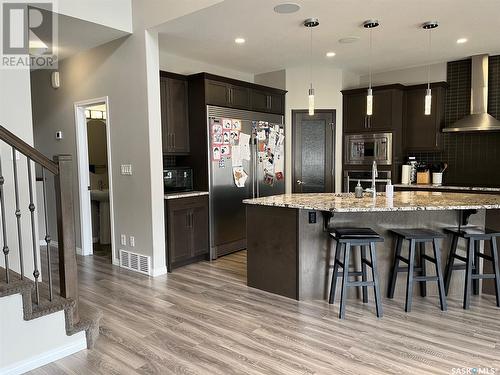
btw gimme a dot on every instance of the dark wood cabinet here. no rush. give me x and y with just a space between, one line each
387 109
423 132
187 230
355 118
265 101
227 95
174 114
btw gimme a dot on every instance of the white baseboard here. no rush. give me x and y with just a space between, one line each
44 358
158 271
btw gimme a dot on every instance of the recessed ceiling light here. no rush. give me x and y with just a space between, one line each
330 54
239 40
286 8
349 39
461 40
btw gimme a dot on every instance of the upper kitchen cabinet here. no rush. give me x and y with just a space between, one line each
231 93
266 101
174 113
227 95
423 132
387 109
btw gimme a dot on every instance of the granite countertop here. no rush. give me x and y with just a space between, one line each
402 201
446 187
185 194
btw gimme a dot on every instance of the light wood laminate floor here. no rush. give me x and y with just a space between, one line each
203 319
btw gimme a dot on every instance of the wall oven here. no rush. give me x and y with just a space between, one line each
363 149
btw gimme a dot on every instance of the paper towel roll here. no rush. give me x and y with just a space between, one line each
405 174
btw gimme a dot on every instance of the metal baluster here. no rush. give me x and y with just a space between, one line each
36 272
47 235
4 225
18 213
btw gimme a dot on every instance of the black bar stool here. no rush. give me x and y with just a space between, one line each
414 237
347 238
473 237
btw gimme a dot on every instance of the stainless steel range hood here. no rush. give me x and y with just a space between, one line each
479 119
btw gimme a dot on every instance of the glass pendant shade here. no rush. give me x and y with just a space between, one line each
369 103
428 102
311 101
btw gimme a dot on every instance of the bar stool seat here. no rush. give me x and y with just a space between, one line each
473 237
416 236
346 238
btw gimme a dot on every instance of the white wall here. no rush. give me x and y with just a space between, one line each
182 65
26 345
327 82
408 76
15 116
112 13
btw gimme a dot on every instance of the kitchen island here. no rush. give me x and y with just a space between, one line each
290 252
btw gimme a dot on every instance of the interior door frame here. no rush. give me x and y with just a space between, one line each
295 140
82 152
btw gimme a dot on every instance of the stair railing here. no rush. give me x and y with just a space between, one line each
62 170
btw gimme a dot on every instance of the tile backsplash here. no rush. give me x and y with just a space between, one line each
473 158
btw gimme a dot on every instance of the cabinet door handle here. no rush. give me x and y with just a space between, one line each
365 121
173 140
230 95
190 219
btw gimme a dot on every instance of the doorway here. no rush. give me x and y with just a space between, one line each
95 178
313 151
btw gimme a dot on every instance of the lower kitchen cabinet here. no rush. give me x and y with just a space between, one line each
186 230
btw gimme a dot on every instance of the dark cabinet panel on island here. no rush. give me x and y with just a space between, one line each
187 230
174 114
423 132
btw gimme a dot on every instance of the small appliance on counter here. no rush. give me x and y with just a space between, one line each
177 179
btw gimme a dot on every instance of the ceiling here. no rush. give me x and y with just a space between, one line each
276 41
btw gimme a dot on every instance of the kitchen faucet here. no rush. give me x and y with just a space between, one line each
373 190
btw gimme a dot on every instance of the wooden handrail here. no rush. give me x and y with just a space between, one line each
28 151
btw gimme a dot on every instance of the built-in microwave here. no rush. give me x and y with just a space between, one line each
363 149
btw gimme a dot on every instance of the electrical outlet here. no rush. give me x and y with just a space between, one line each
123 240
126 169
132 241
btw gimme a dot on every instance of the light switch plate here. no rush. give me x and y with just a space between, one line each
126 169
132 241
123 240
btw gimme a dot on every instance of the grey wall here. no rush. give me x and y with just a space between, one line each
274 79
117 71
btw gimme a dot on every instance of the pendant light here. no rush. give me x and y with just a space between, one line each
311 23
370 24
428 94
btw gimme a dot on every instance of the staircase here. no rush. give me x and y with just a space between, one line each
42 319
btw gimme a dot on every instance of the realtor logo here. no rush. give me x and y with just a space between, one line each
28 35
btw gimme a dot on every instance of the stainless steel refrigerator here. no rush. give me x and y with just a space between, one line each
263 165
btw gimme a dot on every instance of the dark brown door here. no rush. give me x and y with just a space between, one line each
179 233
177 115
355 119
217 93
199 227
240 97
423 132
313 151
277 103
164 124
382 111
260 101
